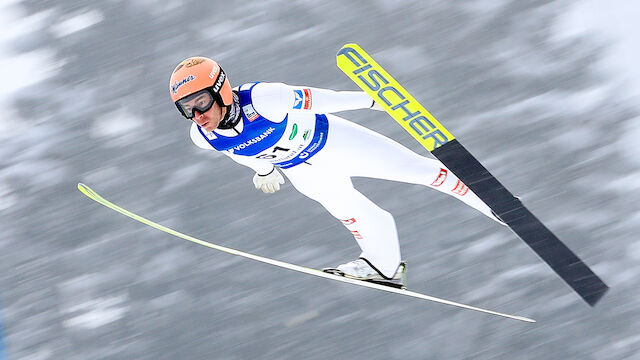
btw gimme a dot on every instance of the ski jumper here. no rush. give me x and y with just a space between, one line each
291 128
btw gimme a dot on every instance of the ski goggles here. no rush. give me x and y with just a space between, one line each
201 101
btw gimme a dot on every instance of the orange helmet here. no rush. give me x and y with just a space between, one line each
199 73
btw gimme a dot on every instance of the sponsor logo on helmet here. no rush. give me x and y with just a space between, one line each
194 62
255 140
176 85
213 72
306 134
219 82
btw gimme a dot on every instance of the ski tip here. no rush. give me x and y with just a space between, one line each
343 49
525 319
87 191
83 188
350 45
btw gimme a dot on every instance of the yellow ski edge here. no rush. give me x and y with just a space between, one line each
394 99
90 193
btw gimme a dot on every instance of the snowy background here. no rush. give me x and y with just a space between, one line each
545 93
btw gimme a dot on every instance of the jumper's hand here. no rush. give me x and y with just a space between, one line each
268 183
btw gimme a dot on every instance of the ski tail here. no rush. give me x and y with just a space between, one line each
527 226
434 137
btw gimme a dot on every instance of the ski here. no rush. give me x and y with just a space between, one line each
387 283
310 271
433 136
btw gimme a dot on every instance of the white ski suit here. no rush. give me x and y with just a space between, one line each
291 128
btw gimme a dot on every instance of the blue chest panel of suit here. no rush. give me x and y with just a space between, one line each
258 133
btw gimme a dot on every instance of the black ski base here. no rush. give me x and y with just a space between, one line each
509 209
388 283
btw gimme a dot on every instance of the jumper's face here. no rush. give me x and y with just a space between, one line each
202 108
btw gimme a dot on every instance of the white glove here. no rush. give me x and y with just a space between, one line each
269 183
376 106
